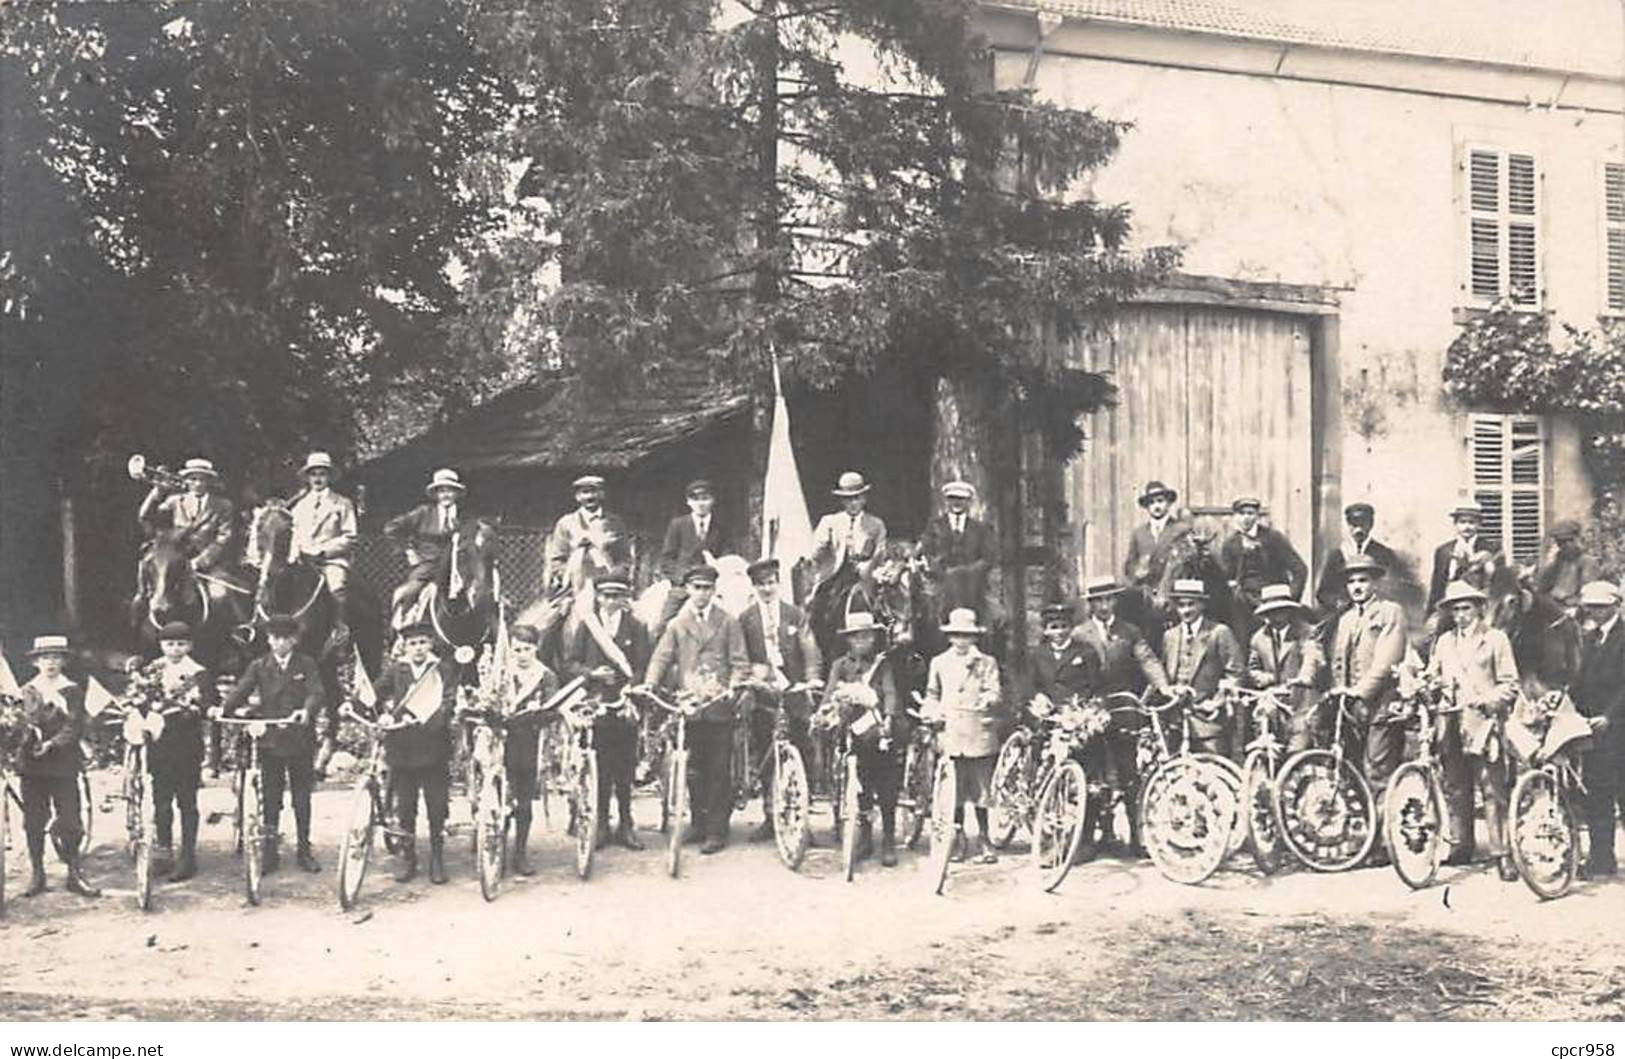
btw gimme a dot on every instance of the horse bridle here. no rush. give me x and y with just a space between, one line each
203 594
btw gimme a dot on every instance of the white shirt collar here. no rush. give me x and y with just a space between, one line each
611 621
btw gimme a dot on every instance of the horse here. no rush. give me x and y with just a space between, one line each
1545 637
462 604
904 605
170 590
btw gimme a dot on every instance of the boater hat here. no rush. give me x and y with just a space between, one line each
1472 511
1599 594
859 621
199 468
962 620
1276 597
445 478
588 481
1102 586
49 645
1460 592
1154 489
959 490
1189 588
851 483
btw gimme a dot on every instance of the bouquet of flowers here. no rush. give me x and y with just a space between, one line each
14 725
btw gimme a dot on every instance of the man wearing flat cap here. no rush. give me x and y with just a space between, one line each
1599 694
702 652
1466 557
691 539
1360 518
1566 568
1253 556
586 542
1151 541
782 652
959 551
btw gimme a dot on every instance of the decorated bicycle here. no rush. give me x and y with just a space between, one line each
257 836
1548 737
670 760
1328 814
781 767
1268 709
1416 819
1189 802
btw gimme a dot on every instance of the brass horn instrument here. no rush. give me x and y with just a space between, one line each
160 476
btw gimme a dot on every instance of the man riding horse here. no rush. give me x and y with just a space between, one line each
203 523
324 533
426 532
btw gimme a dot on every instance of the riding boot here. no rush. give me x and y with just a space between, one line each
408 869
521 847
186 863
888 838
604 832
866 838
273 857
76 883
36 861
437 858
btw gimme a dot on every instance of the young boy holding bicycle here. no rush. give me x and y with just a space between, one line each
420 690
529 685
289 687
175 759
48 764
862 695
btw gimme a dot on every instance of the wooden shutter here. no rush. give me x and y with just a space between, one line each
1509 481
1613 194
1503 226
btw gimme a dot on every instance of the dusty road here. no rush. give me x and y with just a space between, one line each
738 936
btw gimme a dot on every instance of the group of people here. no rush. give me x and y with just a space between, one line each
763 666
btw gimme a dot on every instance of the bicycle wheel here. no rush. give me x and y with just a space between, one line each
1258 806
355 848
677 803
850 815
1230 772
489 839
1413 823
237 784
87 814
919 772
254 837
1011 798
944 795
792 806
1190 814
141 835
1058 823
131 792
585 795
474 778
1328 816
1544 841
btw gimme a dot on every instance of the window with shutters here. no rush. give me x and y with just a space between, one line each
1503 226
1509 482
1613 227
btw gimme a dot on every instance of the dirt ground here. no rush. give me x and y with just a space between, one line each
739 937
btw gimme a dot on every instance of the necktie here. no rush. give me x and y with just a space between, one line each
959 523
702 527
852 534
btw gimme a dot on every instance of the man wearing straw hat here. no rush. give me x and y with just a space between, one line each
426 533
324 527
49 763
1201 657
963 687
1599 694
1475 661
850 538
205 522
862 693
959 551
1283 654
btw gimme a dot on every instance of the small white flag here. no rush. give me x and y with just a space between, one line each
361 684
425 696
8 680
97 697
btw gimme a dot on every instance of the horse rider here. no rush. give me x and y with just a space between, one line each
1465 557
426 532
1567 568
1370 640
586 542
782 652
419 689
1150 541
324 531
205 521
702 652
529 685
1202 658
959 550
691 539
49 763
1599 694
862 683
611 648
1126 664
288 685
1253 556
175 758
1475 660
1283 653
1360 519
851 538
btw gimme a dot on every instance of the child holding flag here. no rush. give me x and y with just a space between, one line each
419 689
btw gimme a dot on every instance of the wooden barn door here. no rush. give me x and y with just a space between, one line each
1213 401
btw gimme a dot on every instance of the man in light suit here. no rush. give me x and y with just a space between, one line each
702 651
1201 658
324 529
1369 642
1150 542
959 551
849 537
587 542
205 521
1283 654
691 539
782 652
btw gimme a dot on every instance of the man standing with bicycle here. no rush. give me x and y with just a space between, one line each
1201 657
288 685
1283 654
419 690
1599 693
861 689
782 652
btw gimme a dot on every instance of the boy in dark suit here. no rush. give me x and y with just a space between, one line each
419 690
529 685
289 686
782 652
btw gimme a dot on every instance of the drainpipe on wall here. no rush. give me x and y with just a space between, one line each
1048 22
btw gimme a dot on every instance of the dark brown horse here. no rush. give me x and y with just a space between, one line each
465 607
170 590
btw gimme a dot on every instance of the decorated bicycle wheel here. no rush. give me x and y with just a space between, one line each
1544 840
1413 822
1230 772
792 806
584 793
141 835
87 815
1190 813
355 847
677 804
850 817
1258 807
238 781
1010 802
1059 818
490 840
1328 816
254 837
131 792
944 795
919 773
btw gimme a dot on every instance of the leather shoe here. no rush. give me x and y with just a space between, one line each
306 861
628 839
711 845
36 883
1506 869
763 832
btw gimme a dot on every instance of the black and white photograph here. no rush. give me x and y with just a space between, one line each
824 511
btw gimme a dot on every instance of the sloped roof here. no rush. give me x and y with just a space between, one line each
1576 36
556 423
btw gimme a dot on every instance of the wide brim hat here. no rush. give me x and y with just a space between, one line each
701 574
851 483
962 620
49 645
1102 586
175 630
759 570
1460 592
1154 489
588 481
417 629
1188 588
959 491
317 461
859 621
445 478
283 625
1599 594
1276 597
1364 564
199 468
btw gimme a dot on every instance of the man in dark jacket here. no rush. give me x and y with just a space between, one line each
782 652
1332 592
426 533
1599 691
692 539
959 551
289 687
1253 556
1063 667
419 691
1466 557
49 763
